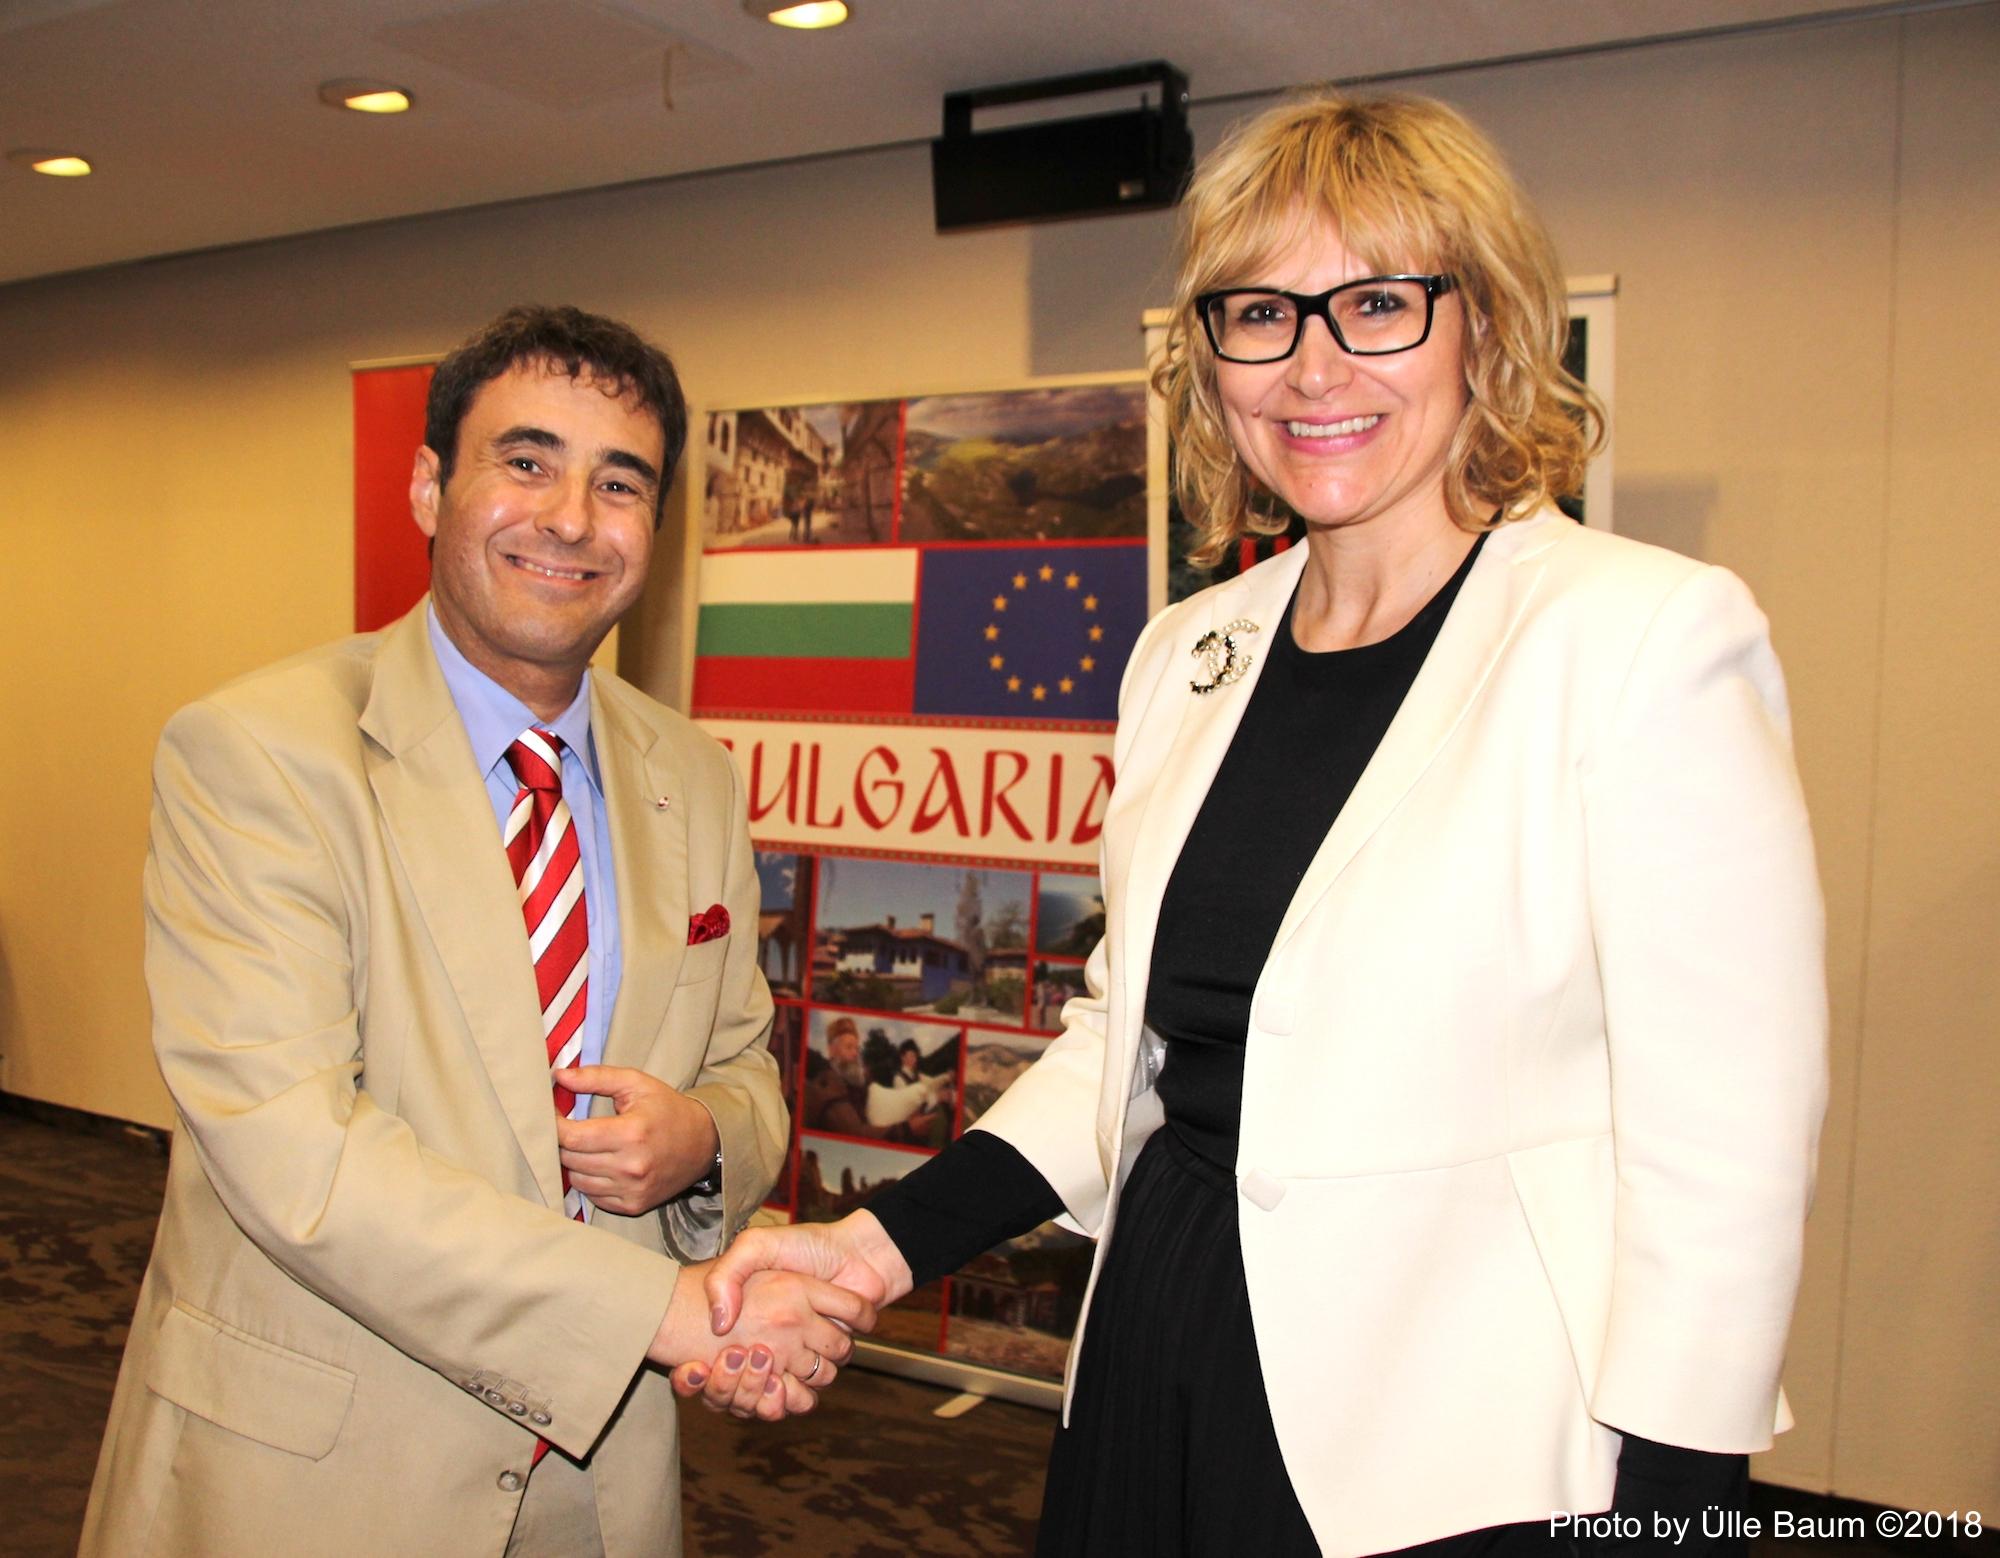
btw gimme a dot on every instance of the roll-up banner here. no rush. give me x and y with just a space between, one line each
912 619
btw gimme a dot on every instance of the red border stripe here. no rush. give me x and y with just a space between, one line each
755 682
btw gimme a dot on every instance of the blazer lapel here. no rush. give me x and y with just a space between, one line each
649 854
1177 773
1488 609
434 807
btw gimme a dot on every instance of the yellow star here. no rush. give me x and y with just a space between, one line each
1096 633
1066 685
1090 603
1040 692
1048 573
1088 662
1069 581
999 603
997 661
1020 581
992 631
1013 684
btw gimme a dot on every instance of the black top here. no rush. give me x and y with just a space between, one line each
1312 723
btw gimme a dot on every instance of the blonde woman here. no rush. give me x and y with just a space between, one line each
1446 1092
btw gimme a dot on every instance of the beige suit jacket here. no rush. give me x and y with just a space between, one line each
364 1302
1536 1064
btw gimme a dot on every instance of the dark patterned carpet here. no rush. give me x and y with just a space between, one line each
871 1474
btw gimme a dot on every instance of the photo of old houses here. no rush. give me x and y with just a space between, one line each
784 921
896 936
801 475
1015 1306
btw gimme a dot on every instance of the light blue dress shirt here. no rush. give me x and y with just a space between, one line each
494 719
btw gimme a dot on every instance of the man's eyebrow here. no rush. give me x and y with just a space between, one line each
541 437
625 460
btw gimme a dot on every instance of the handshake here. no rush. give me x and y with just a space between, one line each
760 1331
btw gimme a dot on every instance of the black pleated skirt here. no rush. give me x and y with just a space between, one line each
1170 1451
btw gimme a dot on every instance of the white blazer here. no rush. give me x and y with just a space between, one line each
1536 1064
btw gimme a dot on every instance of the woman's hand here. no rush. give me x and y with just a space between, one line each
854 1253
790 1333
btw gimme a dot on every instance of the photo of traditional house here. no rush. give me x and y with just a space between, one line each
896 936
1015 1306
784 920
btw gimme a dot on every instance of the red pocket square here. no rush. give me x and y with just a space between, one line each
712 924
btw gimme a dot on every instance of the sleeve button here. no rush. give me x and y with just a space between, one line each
540 1419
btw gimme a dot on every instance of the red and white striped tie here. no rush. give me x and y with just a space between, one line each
548 870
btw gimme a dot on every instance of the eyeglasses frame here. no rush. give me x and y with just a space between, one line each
1317 305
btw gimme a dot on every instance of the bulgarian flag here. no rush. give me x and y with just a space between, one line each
805 630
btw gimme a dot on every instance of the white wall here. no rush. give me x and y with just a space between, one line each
1804 226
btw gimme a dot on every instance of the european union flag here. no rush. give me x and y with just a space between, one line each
1027 632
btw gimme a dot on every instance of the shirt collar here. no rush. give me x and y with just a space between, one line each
494 718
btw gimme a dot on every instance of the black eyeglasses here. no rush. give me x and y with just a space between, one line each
1369 318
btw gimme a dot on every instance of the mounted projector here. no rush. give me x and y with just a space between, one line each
1137 159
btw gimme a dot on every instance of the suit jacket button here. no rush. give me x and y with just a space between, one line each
510 1482
1261 1190
540 1419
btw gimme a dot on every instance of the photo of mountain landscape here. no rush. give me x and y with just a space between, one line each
1026 465
992 1061
837 1176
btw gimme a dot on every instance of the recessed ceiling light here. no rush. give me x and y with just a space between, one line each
799 13
57 164
365 97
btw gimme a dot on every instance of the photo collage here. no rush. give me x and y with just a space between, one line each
910 567
977 557
909 998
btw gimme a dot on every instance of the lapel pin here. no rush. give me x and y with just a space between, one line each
1221 656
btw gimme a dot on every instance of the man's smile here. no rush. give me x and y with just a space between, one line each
551 570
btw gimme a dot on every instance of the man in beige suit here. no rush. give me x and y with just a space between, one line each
369 1325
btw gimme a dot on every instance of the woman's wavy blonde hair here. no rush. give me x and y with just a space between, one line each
1408 185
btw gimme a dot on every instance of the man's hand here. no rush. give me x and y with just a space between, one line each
660 1141
793 1329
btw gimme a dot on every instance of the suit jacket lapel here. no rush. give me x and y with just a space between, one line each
1183 767
1489 607
649 854
434 807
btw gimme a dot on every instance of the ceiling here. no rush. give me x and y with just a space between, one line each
202 120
